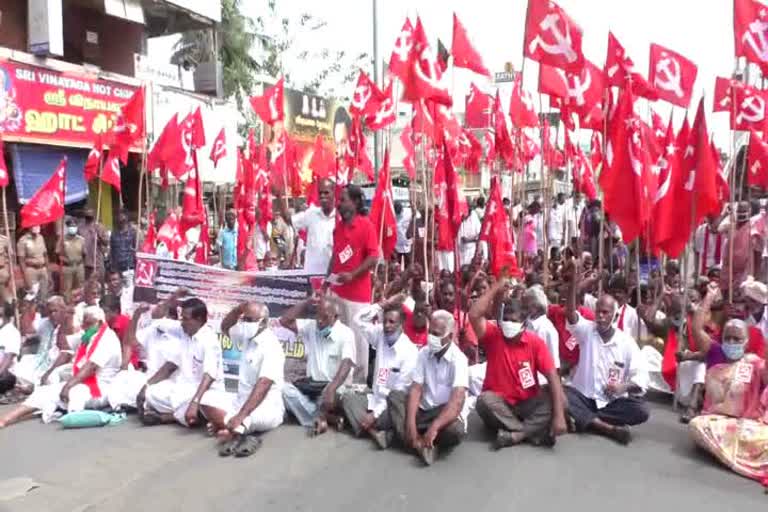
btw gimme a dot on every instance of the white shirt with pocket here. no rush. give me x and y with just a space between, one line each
319 246
324 355
199 355
440 376
263 357
10 342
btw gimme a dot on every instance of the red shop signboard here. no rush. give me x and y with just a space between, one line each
46 106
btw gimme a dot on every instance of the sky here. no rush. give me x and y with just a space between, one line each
701 30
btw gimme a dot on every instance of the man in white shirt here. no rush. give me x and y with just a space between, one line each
626 319
573 210
96 362
605 391
366 412
755 296
556 222
709 245
319 221
434 412
43 366
535 305
330 352
258 404
469 233
10 347
403 244
198 366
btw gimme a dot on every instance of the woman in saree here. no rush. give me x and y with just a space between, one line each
733 425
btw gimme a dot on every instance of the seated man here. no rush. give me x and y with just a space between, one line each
258 404
434 412
607 384
176 398
512 403
10 347
116 320
96 362
382 327
535 306
38 367
330 350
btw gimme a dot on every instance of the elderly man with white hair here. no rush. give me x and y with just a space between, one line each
258 404
535 305
755 296
97 359
433 414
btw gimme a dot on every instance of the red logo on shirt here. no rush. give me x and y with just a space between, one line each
345 254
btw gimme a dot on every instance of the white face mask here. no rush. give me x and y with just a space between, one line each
511 329
251 329
36 230
72 230
435 343
164 324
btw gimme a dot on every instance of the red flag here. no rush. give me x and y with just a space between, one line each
176 151
284 164
583 179
156 156
475 155
409 156
552 37
672 75
750 31
269 106
169 234
197 132
757 162
479 106
383 210
129 126
668 169
464 54
496 231
110 174
92 164
367 97
219 148
322 162
47 205
581 92
4 179
749 112
490 145
552 81
424 79
596 153
423 121
672 212
192 210
447 208
502 139
150 239
385 114
265 209
619 69
260 168
724 93
707 199
356 157
521 110
399 61
204 245
531 148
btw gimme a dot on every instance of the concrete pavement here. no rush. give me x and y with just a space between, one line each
129 467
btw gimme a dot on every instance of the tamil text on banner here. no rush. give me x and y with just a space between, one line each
38 104
156 278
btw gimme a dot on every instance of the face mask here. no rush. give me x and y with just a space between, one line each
251 329
89 333
435 343
324 332
390 339
36 230
511 329
733 351
164 324
676 322
71 230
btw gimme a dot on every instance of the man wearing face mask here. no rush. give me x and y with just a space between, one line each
433 414
258 404
199 364
330 351
607 384
382 327
535 305
512 403
95 364
72 257
33 260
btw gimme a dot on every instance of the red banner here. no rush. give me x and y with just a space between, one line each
42 105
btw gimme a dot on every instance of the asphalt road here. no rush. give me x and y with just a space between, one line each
129 467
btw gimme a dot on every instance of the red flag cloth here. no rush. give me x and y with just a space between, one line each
464 54
478 108
92 164
531 148
669 360
169 234
192 210
356 157
269 106
552 37
619 69
757 162
502 139
521 110
424 78
150 239
110 174
583 180
596 153
47 205
129 126
197 132
490 145
673 225
156 156
409 155
672 75
4 178
423 121
627 167
265 209
724 94
707 197
176 152
667 167
447 208
749 112
219 148
399 61
383 211
323 161
472 160
367 97
385 114
496 231
284 164
447 126
204 245
750 27
552 81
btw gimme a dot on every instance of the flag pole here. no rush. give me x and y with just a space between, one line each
733 207
545 192
11 258
600 244
98 205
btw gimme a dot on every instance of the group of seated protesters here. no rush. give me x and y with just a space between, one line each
533 363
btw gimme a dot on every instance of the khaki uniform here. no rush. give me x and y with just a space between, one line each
72 259
33 258
5 269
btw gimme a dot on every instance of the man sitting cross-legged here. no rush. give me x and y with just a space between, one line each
258 404
434 411
512 403
330 349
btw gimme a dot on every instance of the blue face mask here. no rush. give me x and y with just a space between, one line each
391 339
733 351
324 332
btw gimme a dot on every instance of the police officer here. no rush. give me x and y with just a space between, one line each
72 255
33 259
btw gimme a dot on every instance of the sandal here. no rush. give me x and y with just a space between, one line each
150 419
248 446
228 448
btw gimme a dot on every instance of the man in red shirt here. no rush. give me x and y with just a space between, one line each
355 253
511 402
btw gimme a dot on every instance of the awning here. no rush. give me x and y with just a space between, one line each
33 165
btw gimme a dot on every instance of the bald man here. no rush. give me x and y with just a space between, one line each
258 404
605 395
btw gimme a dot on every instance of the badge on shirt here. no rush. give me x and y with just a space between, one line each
526 376
382 377
570 343
743 373
345 254
614 375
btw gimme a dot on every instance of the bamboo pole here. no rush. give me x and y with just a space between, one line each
11 259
